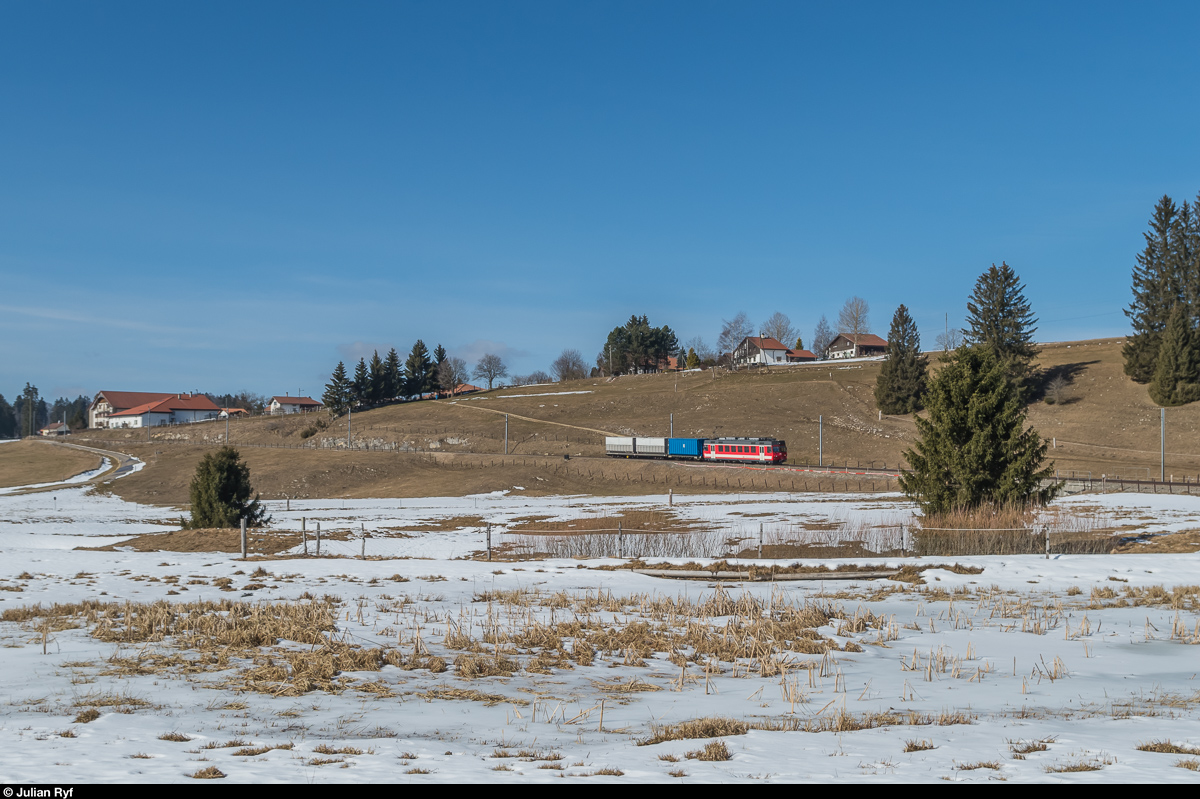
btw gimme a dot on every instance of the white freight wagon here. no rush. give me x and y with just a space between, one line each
624 445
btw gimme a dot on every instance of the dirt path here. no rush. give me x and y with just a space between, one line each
119 464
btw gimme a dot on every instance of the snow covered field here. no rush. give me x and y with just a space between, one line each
425 662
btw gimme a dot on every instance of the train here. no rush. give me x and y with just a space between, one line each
715 450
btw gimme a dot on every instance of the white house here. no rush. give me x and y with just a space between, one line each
861 345
762 350
285 404
159 410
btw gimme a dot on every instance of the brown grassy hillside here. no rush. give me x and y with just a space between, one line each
30 461
1109 425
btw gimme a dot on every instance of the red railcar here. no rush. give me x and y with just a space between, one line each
745 450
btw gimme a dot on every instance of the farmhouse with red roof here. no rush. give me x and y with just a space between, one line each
760 350
146 409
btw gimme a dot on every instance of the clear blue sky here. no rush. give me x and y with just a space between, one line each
232 196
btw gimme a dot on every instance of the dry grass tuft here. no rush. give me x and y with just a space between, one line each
469 695
210 773
989 764
677 773
913 745
1166 747
174 736
87 716
326 749
715 751
708 727
1190 765
1082 765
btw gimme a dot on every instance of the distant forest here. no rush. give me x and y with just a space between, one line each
29 412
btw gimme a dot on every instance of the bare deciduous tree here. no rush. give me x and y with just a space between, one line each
853 318
950 339
703 351
779 327
452 373
569 366
733 331
490 368
822 337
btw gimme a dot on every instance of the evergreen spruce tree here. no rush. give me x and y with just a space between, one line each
338 391
1000 319
799 343
1177 372
439 358
974 448
1155 292
418 371
903 379
393 375
376 377
221 492
693 360
8 420
361 386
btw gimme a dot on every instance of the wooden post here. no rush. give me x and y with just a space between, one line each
620 540
670 496
318 539
243 538
363 529
489 540
760 537
304 534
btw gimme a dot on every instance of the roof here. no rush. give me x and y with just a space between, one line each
172 402
122 400
55 426
236 410
863 339
765 342
464 387
295 400
802 354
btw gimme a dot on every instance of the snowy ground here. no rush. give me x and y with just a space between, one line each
1070 662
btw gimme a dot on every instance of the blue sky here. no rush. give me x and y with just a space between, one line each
230 196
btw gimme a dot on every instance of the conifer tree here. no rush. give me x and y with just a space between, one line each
974 448
1177 372
393 375
693 360
1156 290
376 377
361 385
220 492
799 343
8 419
418 371
999 319
338 391
439 358
903 379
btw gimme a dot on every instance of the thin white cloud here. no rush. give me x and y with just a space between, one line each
59 315
481 346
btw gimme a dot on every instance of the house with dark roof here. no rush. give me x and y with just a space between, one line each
55 429
286 404
146 409
759 351
856 345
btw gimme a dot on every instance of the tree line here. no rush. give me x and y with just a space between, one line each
30 412
1164 348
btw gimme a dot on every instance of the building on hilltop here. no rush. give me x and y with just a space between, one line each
55 429
286 404
145 409
852 345
760 351
800 356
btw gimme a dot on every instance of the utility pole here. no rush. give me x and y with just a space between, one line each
349 425
506 434
820 440
1162 444
672 425
227 425
946 341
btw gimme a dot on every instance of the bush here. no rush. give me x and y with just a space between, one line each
220 492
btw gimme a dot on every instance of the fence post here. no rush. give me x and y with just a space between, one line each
304 534
620 541
489 540
1047 529
243 538
670 496
318 539
760 537
363 528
